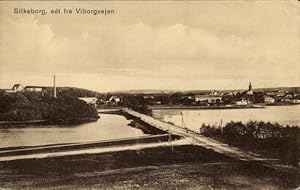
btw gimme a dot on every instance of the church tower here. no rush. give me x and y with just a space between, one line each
250 91
250 86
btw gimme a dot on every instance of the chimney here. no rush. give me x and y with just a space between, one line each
54 86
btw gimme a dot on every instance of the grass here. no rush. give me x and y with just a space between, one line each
188 167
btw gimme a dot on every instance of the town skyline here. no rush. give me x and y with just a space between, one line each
148 90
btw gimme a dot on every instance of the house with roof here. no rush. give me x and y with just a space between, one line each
208 98
15 88
113 100
18 88
269 100
242 102
89 100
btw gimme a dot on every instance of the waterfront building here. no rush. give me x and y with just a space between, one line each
207 98
295 101
242 102
269 100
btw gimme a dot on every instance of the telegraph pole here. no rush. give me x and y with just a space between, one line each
221 127
170 138
54 87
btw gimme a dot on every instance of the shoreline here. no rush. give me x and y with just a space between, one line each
7 124
16 152
206 107
139 124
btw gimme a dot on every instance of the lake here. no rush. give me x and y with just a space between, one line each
193 119
109 126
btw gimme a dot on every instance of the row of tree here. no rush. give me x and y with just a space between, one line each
273 139
136 103
24 106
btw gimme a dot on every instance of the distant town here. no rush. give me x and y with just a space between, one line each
215 98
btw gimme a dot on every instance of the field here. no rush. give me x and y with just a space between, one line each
187 167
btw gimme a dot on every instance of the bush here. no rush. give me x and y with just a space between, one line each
264 137
137 103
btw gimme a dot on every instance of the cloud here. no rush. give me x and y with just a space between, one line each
188 46
35 44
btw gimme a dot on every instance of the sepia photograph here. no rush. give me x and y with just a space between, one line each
132 94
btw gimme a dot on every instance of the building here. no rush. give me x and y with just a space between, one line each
269 100
89 100
242 102
295 101
280 94
15 88
207 98
216 93
18 88
250 90
271 93
9 90
34 88
113 100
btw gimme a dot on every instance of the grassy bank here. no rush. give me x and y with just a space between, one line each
188 167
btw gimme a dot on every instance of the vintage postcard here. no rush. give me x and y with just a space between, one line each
180 94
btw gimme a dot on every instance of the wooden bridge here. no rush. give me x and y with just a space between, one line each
198 139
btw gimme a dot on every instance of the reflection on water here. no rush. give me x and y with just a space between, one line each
107 127
286 115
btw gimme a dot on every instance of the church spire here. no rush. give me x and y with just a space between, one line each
250 86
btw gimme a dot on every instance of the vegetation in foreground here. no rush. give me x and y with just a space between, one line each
26 106
274 140
187 167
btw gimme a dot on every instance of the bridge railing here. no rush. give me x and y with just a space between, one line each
86 145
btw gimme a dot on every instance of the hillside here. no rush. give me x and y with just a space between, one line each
26 106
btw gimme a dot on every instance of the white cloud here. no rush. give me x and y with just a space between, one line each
263 45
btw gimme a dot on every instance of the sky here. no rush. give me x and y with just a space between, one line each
171 45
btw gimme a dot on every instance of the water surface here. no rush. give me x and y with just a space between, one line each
285 115
109 126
